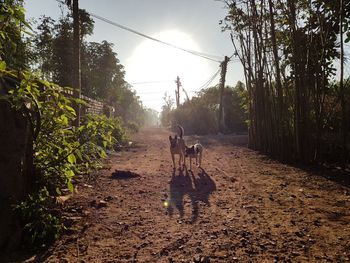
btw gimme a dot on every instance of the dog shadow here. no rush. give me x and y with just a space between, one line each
179 185
197 187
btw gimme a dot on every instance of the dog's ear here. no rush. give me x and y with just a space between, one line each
170 138
175 136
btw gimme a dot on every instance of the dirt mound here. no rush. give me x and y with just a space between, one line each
122 175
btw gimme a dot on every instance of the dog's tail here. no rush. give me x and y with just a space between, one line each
181 130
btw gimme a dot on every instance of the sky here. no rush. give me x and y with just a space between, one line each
151 68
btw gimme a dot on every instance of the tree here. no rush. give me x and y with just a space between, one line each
102 73
200 114
165 117
53 50
287 49
12 25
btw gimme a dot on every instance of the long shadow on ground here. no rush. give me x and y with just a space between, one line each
197 187
333 173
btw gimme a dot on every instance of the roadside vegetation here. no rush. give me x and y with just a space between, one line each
199 115
35 82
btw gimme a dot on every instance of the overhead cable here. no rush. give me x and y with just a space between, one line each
210 80
196 53
150 82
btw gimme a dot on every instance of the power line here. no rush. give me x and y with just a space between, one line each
210 80
196 53
193 52
151 92
150 82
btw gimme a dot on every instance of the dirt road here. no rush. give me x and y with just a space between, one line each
241 207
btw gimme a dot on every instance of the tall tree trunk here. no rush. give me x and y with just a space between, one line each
296 61
342 91
280 113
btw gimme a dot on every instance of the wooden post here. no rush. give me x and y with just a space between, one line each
221 122
177 91
76 60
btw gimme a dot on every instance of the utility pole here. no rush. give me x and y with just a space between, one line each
177 91
76 60
221 121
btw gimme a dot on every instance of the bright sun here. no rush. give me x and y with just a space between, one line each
158 65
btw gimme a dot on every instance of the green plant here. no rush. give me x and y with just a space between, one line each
60 151
40 220
133 126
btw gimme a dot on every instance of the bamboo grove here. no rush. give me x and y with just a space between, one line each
292 53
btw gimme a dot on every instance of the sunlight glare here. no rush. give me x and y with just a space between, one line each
155 62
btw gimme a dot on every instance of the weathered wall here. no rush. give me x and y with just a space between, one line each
15 144
93 106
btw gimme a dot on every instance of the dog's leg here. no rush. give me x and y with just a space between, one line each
173 158
200 159
183 160
190 164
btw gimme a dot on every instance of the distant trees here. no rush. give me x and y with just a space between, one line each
165 116
12 26
200 114
102 75
289 50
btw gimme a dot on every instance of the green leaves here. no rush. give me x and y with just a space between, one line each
40 225
70 186
72 159
12 27
347 40
2 65
60 151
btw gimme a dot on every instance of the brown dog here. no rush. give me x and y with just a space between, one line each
177 146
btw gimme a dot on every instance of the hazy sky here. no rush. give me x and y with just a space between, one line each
189 24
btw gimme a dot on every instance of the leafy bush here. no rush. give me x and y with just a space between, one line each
133 126
200 114
41 222
195 118
60 150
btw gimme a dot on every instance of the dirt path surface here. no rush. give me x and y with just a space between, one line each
242 207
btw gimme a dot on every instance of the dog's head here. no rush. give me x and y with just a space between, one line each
173 141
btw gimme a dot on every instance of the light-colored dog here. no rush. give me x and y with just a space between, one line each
177 146
194 151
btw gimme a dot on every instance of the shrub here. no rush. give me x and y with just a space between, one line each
60 151
133 126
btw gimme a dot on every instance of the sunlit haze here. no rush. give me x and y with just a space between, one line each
158 65
192 25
